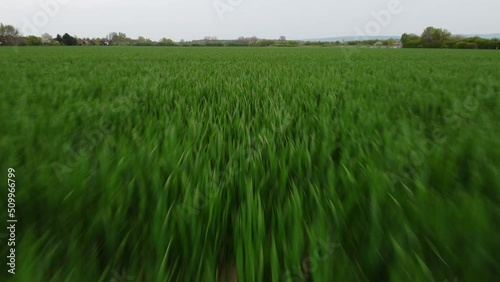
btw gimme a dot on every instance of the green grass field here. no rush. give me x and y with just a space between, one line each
265 164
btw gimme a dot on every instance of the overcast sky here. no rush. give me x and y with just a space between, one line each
226 19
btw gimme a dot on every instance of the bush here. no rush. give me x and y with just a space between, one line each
34 40
466 45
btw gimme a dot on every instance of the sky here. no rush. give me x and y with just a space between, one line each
228 19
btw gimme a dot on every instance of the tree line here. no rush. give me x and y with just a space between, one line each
433 37
430 38
10 36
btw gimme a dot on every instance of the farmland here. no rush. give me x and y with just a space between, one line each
270 164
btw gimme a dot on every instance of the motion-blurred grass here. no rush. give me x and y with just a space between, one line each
200 164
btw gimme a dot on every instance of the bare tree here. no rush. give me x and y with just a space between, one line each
210 38
117 38
111 36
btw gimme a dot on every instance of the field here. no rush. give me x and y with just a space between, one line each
255 164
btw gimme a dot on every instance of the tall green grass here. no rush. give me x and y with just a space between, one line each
170 164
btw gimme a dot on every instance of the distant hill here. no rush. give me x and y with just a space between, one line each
385 37
487 36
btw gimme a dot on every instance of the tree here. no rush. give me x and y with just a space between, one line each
46 39
427 34
457 37
68 40
253 41
166 42
282 38
442 35
118 38
142 41
410 40
391 42
435 37
9 35
264 43
210 38
34 40
8 30
466 45
379 44
442 38
111 36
